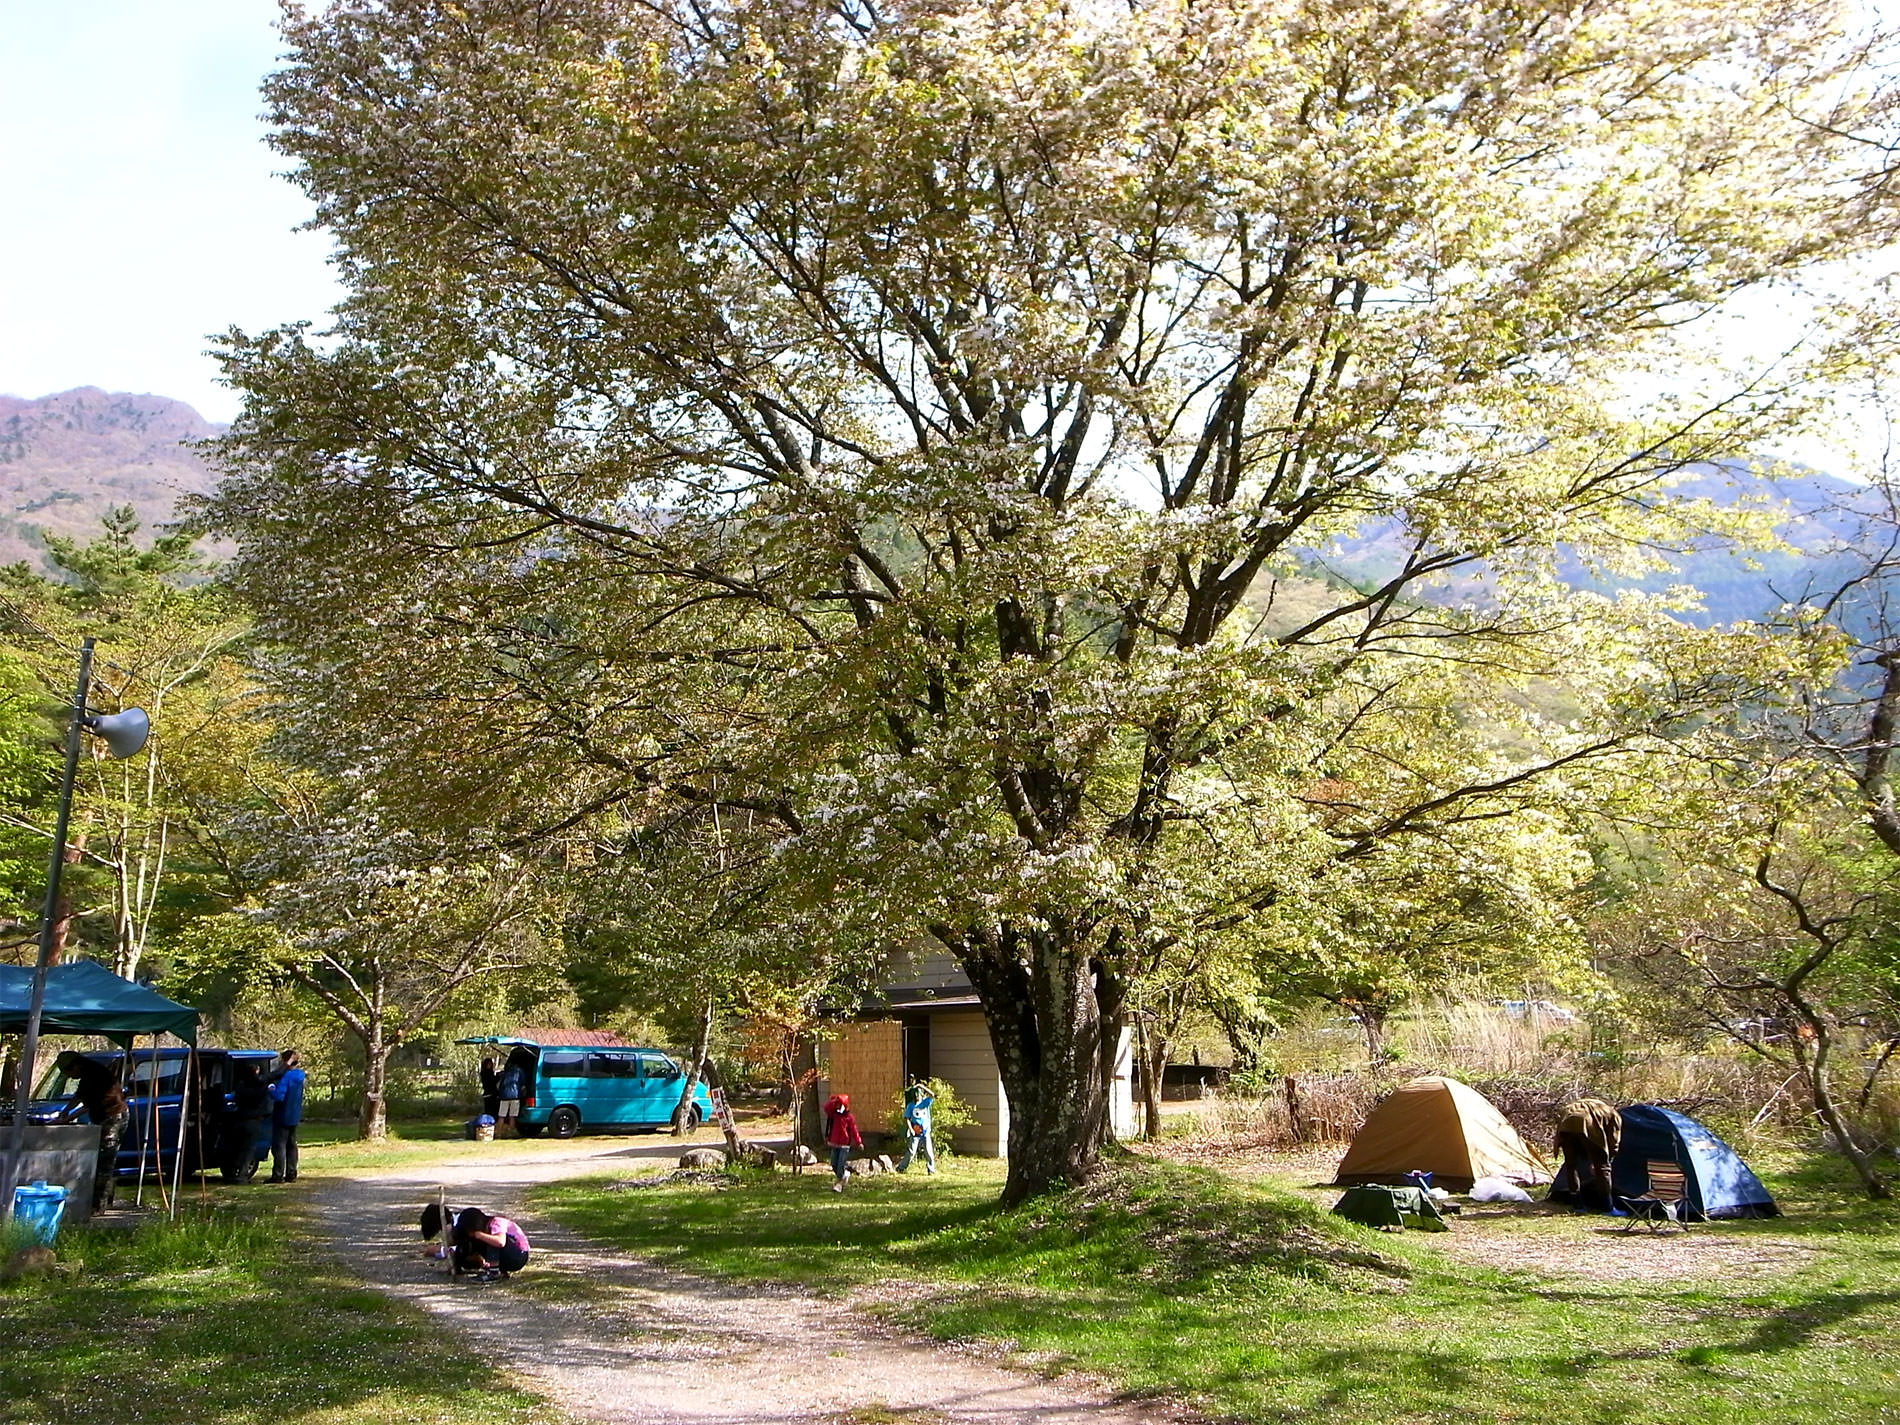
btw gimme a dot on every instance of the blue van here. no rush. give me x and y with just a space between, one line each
576 1086
216 1140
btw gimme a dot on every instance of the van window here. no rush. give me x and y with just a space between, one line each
171 1077
564 1066
659 1067
613 1066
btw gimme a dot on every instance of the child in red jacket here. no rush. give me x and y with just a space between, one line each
841 1132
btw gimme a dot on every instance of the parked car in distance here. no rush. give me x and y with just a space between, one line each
1536 1009
577 1086
215 1139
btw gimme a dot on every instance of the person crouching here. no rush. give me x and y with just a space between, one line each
487 1247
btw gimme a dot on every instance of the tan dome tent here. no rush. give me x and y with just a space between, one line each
1441 1127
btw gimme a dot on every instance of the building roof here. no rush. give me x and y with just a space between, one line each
913 1002
574 1038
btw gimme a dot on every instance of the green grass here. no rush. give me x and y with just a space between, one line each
225 1318
1248 1301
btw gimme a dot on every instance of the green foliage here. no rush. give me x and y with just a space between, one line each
151 826
948 1112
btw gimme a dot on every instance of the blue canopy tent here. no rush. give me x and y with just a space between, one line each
84 998
1716 1182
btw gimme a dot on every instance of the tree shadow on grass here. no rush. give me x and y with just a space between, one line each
235 1343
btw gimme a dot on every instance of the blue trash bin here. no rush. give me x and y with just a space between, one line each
40 1207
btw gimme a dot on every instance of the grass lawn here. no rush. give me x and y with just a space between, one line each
1248 1301
225 1318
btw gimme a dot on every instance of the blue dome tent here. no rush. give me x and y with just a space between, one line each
1716 1182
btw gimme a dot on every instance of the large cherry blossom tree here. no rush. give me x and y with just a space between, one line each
921 428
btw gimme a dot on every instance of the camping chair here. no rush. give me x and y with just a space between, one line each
1666 1201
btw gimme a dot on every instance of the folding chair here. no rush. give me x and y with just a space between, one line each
1666 1201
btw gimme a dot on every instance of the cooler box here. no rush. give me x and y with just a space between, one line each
40 1207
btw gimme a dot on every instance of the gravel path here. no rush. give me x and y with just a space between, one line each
614 1339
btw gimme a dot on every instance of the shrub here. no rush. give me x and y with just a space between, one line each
947 1113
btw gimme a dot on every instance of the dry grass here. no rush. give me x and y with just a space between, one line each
1528 1065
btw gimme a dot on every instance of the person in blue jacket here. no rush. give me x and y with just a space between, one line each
286 1112
917 1104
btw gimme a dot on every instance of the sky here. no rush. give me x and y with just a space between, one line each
140 211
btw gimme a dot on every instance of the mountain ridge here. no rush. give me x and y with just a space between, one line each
68 458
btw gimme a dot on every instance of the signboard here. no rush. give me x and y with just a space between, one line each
722 1111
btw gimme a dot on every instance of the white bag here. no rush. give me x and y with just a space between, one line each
1497 1190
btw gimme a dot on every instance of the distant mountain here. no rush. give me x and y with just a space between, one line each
67 459
1824 521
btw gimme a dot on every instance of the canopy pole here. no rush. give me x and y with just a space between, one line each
36 1006
184 1113
198 1073
146 1135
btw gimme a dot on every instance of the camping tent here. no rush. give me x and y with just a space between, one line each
1442 1127
84 998
1716 1182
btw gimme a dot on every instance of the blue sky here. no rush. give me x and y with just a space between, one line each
139 207
140 211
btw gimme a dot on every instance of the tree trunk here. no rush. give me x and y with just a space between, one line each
1371 1019
702 1042
1154 1064
1820 1091
715 1083
1054 1046
372 1121
63 913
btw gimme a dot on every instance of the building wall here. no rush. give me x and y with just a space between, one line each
960 1055
1121 1089
925 965
867 1062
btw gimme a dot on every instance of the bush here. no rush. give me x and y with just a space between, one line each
947 1113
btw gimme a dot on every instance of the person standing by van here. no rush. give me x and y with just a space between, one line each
510 1086
97 1091
491 1088
286 1098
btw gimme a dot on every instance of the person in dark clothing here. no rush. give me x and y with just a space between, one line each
286 1096
97 1091
510 1087
491 1088
1588 1132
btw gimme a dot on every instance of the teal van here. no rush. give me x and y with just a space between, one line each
576 1086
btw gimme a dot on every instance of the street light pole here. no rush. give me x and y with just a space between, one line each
125 738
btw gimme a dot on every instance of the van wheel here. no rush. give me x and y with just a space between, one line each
693 1119
239 1169
564 1122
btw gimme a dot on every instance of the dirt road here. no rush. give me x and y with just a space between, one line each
613 1339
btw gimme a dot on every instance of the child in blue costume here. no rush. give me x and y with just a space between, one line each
917 1102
